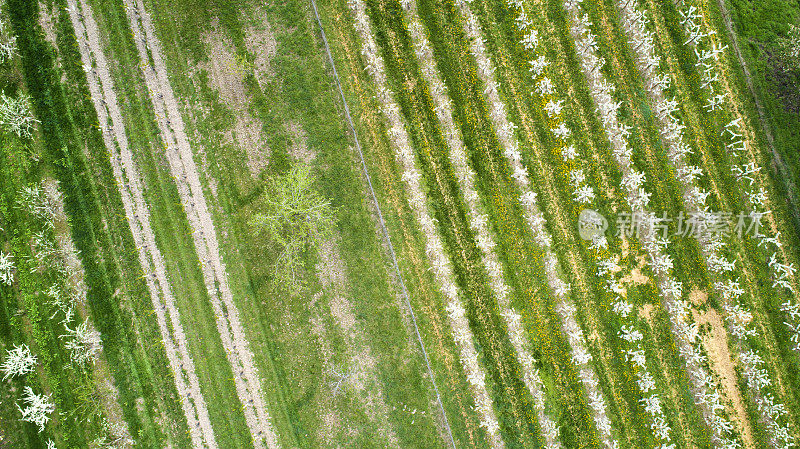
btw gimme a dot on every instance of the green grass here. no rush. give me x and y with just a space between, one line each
685 256
140 371
22 321
279 321
400 222
759 25
294 380
523 270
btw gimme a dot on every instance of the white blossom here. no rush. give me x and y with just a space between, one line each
37 408
83 342
6 268
18 361
538 65
569 153
531 40
554 108
16 116
584 194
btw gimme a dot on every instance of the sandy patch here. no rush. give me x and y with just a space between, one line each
646 312
227 72
260 42
721 362
331 421
698 297
48 23
636 277
299 149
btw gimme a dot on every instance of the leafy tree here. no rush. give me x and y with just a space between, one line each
295 219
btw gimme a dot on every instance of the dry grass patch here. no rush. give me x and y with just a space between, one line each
227 72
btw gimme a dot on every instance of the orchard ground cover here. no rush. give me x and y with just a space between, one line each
385 251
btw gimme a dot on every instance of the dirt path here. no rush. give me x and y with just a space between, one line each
721 361
138 216
182 165
657 96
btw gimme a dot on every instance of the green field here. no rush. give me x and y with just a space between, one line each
168 127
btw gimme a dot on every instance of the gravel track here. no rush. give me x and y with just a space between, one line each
180 157
138 216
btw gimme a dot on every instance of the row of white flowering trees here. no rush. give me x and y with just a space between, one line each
504 129
440 264
35 408
583 194
15 116
743 151
15 113
686 334
53 257
57 253
734 300
479 222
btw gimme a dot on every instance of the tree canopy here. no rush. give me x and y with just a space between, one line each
295 219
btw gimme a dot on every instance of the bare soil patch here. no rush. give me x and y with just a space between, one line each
260 41
48 23
227 73
722 364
